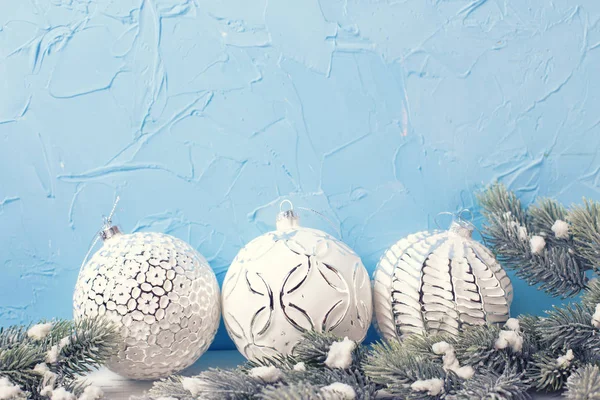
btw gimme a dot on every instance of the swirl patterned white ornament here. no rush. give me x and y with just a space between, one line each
438 281
160 291
292 280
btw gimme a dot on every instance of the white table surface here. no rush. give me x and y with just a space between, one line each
116 387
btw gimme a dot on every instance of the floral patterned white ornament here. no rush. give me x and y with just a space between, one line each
292 280
437 282
160 291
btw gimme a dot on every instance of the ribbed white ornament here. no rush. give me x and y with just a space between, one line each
292 280
160 292
437 282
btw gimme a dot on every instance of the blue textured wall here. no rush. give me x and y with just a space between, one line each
204 115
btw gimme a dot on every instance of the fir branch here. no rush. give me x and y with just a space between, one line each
314 347
283 362
394 368
558 272
558 269
296 391
488 385
422 345
476 346
170 387
91 343
570 327
496 200
591 296
364 388
216 384
545 373
542 217
585 225
584 384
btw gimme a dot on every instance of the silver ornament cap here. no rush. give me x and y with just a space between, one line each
109 231
287 219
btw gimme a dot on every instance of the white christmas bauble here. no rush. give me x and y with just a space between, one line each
437 282
292 280
161 293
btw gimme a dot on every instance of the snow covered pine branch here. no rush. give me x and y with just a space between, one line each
545 244
45 361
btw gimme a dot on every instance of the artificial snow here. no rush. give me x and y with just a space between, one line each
339 389
49 376
522 233
440 347
340 354
46 391
269 374
560 229
433 387
510 339
192 385
9 391
300 367
64 342
596 317
465 372
39 331
91 393
565 361
537 244
512 324
52 354
61 394
450 361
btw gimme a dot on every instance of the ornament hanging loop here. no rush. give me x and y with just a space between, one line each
459 225
462 223
107 231
465 211
457 217
287 219
337 230
284 202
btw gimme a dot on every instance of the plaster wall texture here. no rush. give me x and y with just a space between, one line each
204 115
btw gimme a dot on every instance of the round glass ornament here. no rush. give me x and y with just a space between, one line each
161 293
290 281
437 282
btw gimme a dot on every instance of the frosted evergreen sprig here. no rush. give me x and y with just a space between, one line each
477 346
531 356
213 384
585 225
584 384
300 391
548 373
591 296
570 327
546 244
395 368
324 364
509 385
49 356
